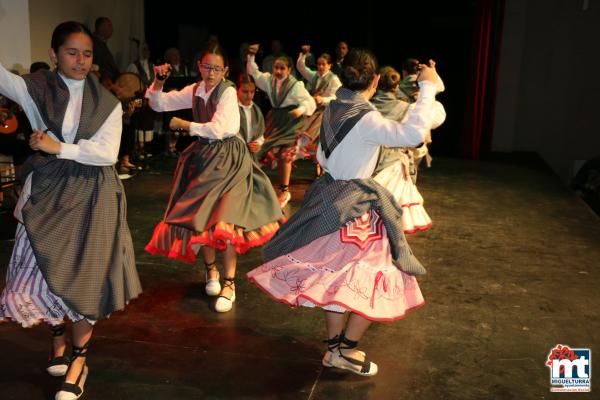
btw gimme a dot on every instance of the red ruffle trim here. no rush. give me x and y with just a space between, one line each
176 242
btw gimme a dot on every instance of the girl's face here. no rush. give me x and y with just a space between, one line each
246 93
74 58
323 66
212 68
281 70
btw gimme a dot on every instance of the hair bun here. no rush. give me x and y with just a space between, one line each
358 70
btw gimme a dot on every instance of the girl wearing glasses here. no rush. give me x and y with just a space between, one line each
220 199
290 101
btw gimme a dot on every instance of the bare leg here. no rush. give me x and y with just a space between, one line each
285 172
335 323
229 265
318 170
355 329
357 326
59 343
82 333
209 257
335 326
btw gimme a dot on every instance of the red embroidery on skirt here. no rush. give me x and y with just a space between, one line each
378 277
363 230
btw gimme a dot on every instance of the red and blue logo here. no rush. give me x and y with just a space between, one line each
570 369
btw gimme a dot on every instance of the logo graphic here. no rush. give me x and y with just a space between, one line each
570 369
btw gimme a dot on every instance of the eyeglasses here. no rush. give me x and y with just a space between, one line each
214 68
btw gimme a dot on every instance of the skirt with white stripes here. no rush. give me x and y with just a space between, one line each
26 298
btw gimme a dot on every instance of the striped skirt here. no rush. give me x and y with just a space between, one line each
26 298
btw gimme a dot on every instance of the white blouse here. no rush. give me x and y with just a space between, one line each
252 134
101 149
310 75
298 95
356 156
224 123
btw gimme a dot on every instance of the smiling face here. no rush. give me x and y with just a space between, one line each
281 69
212 68
323 66
74 57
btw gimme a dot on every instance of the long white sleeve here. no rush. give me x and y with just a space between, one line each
300 96
262 79
170 101
306 72
13 87
334 86
379 130
102 149
225 121
438 115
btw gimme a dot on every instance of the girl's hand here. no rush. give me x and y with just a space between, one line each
130 108
296 113
318 100
427 72
253 49
41 141
163 71
254 147
178 124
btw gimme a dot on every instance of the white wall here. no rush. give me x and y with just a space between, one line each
549 85
15 50
127 17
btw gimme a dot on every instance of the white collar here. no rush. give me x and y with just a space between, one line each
74 84
246 107
202 90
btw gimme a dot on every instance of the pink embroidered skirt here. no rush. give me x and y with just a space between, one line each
349 270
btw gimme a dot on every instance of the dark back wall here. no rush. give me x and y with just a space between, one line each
438 30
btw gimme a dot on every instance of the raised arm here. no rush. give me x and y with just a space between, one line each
376 129
306 72
13 87
260 78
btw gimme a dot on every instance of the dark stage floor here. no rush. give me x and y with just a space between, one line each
514 269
